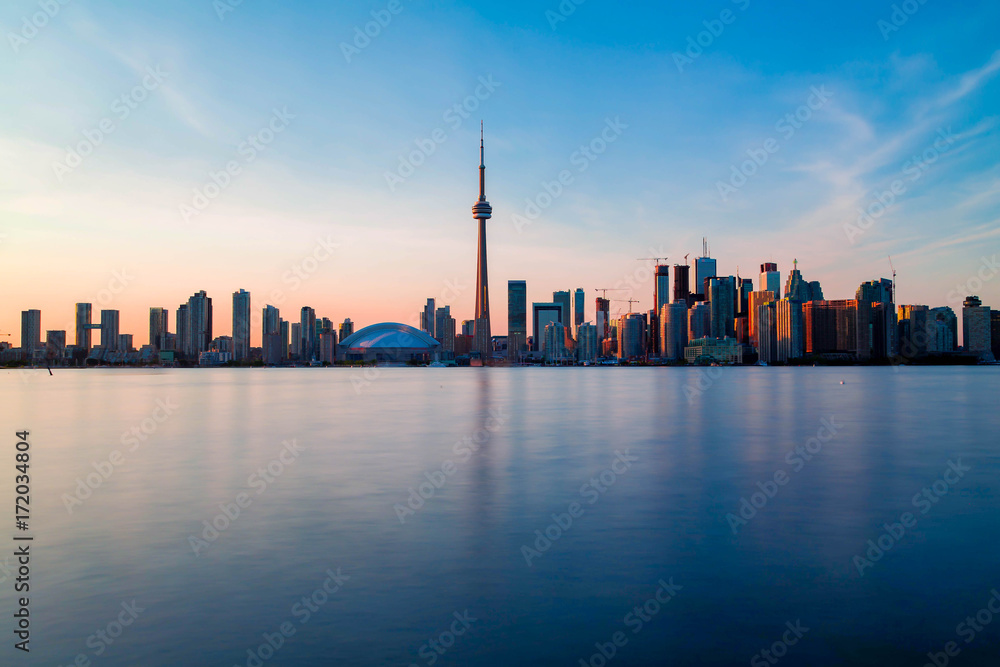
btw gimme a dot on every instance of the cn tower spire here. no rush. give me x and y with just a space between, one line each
482 340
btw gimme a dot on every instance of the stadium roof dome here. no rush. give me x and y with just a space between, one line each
390 336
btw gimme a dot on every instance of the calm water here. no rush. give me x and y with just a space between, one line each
695 445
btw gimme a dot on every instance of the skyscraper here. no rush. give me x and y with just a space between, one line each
673 330
241 325
346 329
579 299
876 326
699 320
109 329
295 347
517 318
564 299
603 319
308 348
946 329
704 268
630 334
661 288
482 211
767 331
158 327
84 319
976 336
791 336
995 333
722 300
586 344
682 289
271 317
440 316
756 300
770 279
199 322
183 329
426 318
543 314
798 289
31 333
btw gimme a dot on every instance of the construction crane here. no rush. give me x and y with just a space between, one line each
894 290
653 259
609 289
630 302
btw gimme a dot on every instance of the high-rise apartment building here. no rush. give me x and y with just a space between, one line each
84 321
544 313
426 318
791 334
699 320
564 299
586 343
631 328
159 319
722 301
309 347
976 322
199 323
579 303
183 329
603 318
109 329
517 319
31 333
673 330
682 287
241 325
661 288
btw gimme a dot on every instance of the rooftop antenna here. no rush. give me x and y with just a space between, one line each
893 291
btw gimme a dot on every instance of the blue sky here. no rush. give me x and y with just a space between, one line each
888 95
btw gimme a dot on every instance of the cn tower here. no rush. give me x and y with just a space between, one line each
482 340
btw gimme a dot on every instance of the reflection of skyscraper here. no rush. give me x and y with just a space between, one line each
84 315
241 325
578 305
517 318
482 211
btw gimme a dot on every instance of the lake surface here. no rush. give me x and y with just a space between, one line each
672 454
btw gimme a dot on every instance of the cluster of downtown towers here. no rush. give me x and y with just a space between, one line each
712 318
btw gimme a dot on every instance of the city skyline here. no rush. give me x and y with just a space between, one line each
316 189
